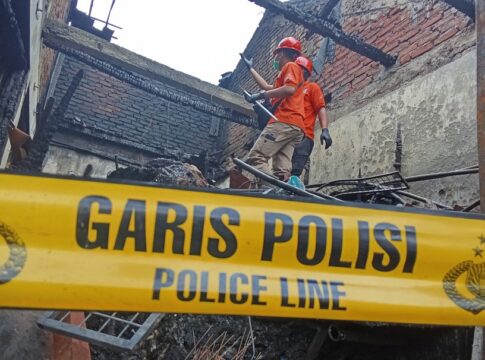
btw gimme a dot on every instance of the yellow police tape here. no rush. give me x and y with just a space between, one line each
72 244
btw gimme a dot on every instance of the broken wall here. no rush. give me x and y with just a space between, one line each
437 113
60 160
424 35
110 111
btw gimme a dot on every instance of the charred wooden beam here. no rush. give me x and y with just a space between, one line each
141 83
325 28
44 136
467 7
13 50
61 37
327 9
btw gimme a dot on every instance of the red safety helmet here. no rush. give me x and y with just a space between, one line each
289 43
305 63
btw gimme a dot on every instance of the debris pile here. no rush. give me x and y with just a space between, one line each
163 171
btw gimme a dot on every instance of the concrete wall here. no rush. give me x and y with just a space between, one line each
70 154
60 161
437 114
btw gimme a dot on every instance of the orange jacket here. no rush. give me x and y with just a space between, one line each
313 102
290 110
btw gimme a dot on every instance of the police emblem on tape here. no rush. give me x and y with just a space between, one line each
474 276
17 254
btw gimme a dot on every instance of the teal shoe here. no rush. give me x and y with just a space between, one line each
296 182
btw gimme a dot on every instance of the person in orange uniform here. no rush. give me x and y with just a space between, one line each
314 104
279 138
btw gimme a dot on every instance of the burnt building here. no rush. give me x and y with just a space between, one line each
421 79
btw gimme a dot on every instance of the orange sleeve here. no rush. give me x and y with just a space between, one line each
317 98
292 74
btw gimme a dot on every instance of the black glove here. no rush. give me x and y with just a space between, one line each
247 62
325 136
256 96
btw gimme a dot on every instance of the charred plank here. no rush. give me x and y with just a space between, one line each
40 146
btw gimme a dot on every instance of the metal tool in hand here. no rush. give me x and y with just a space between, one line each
260 104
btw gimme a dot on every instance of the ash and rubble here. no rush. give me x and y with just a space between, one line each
163 171
177 335
180 336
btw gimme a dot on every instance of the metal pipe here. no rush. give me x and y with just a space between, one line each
270 179
472 206
440 175
107 23
423 199
261 106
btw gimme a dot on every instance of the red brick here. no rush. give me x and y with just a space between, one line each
391 45
350 24
444 24
344 79
346 93
387 29
351 63
421 50
404 26
395 11
357 70
404 59
361 83
409 34
427 38
463 22
409 50
445 36
432 20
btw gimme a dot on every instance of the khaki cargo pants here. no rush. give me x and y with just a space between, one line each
277 142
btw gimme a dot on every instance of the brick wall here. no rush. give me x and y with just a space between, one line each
408 31
59 10
400 31
116 111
